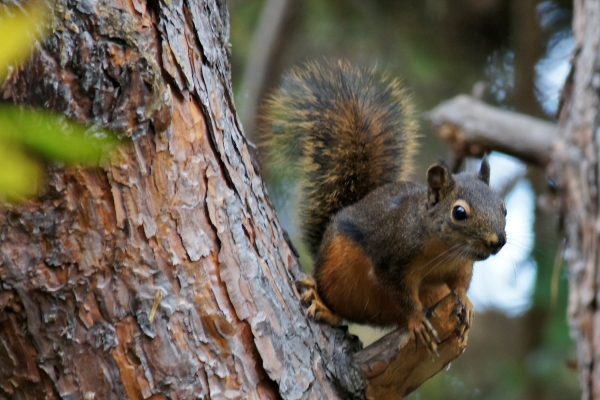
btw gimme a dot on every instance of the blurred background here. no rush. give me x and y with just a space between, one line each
513 54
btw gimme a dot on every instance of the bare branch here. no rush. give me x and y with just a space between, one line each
267 44
471 127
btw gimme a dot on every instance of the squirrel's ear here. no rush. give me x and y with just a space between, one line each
439 182
484 170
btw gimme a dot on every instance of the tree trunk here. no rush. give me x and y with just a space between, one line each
165 273
577 166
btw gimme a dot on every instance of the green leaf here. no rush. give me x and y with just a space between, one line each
30 137
19 30
20 176
53 137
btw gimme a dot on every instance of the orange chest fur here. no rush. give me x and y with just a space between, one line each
347 282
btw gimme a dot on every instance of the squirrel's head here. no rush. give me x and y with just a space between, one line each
467 213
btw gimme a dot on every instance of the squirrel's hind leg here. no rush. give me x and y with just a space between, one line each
317 310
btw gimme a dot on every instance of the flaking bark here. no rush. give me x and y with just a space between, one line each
576 167
180 210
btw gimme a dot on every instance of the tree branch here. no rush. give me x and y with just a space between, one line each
267 44
471 128
394 366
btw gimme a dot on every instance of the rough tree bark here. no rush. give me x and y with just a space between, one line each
164 274
177 220
577 167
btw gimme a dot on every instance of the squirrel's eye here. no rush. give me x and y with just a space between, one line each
459 213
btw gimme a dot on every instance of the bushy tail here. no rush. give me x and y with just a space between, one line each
348 130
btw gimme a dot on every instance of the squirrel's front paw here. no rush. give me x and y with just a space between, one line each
421 330
465 313
317 310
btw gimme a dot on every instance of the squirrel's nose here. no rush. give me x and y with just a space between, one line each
499 243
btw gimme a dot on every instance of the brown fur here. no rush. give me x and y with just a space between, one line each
349 287
386 249
387 258
348 129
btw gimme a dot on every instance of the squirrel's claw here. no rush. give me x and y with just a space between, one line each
431 329
465 313
422 331
319 312
316 310
306 283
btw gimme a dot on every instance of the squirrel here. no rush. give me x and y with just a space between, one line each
386 249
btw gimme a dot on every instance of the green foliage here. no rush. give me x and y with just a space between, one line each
19 174
28 137
18 32
53 137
